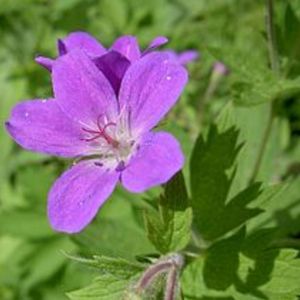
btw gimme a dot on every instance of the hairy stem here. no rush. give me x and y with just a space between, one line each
172 284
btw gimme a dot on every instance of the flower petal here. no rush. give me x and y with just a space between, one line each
128 46
40 125
157 160
155 43
82 41
77 195
45 62
150 88
81 89
113 65
187 56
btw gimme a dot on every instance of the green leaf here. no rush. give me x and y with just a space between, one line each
252 123
115 231
106 287
281 205
263 88
276 280
222 262
253 82
288 42
216 212
34 225
243 268
117 267
170 229
47 260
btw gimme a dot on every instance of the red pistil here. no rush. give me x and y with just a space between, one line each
101 133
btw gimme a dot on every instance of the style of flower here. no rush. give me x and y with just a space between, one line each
108 132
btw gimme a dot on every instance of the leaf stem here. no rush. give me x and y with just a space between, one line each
272 44
263 146
274 62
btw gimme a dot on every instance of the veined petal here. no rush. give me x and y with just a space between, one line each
128 46
157 160
81 89
149 89
113 65
77 195
40 125
82 41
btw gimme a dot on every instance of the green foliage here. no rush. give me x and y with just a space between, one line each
115 280
234 211
261 278
212 173
106 287
169 229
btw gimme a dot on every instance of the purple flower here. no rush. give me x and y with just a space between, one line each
113 62
108 133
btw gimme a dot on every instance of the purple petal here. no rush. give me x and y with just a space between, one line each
40 125
187 56
149 89
77 195
155 43
82 41
45 62
62 48
157 160
113 65
81 89
128 46
182 58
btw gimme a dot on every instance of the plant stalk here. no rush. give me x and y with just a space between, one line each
274 63
272 44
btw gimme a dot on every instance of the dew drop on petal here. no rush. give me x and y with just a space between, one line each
26 114
168 77
44 101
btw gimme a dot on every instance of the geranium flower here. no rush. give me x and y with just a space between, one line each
113 62
109 134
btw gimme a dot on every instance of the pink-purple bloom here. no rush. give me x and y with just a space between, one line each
220 68
113 62
107 128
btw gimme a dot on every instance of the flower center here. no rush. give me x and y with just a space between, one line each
101 132
110 141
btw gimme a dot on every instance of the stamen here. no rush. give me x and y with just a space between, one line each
92 138
101 133
90 130
98 122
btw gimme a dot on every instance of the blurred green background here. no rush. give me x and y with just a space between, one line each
32 262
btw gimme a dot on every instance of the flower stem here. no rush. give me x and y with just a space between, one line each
172 285
163 265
